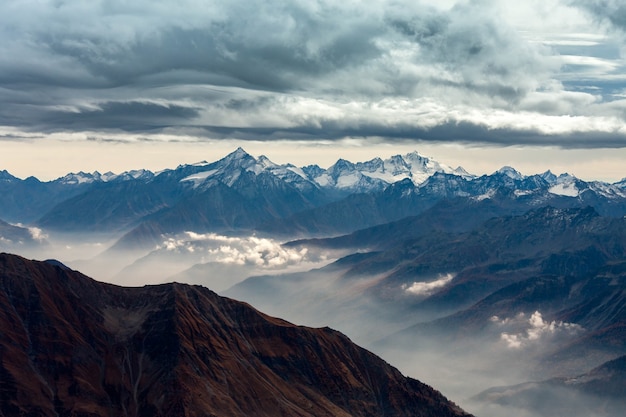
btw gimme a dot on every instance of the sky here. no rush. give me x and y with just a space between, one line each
115 85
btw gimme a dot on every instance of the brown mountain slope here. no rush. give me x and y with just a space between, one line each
71 346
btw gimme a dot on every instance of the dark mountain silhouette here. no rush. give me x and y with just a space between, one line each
72 346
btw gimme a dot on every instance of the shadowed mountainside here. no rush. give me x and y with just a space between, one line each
73 346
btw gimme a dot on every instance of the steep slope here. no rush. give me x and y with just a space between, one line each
110 206
459 214
73 346
24 201
438 273
354 212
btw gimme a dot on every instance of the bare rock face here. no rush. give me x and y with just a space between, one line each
71 346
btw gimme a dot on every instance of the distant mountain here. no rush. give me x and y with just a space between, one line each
94 201
599 392
25 201
74 346
95 177
457 214
240 193
377 174
503 192
547 259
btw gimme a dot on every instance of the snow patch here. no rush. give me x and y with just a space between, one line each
489 194
521 193
349 180
199 178
323 180
566 189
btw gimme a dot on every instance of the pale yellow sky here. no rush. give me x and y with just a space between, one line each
52 158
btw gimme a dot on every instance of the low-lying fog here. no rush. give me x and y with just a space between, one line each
212 260
292 283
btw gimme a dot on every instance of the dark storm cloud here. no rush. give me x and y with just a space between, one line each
448 132
130 116
269 45
273 66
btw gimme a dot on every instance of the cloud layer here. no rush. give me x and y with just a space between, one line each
314 70
251 250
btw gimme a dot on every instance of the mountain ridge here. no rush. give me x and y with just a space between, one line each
175 349
280 200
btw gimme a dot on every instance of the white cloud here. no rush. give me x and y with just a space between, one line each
252 250
37 234
428 288
525 331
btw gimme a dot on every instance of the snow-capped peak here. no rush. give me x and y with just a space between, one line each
549 177
238 153
378 173
461 172
88 178
510 172
229 168
265 162
80 178
416 167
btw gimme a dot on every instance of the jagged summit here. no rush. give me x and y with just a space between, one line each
82 177
344 175
5 176
238 153
548 176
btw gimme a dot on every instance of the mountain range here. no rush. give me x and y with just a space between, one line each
243 194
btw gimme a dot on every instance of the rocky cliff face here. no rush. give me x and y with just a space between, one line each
72 346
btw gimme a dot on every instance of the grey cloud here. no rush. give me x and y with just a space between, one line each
240 69
261 44
269 45
448 132
130 116
479 54
611 11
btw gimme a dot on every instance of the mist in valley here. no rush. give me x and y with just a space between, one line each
498 371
